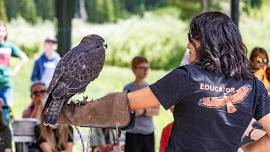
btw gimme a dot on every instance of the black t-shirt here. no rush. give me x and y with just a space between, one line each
41 139
211 111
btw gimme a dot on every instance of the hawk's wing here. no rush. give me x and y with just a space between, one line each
79 71
59 71
229 99
240 94
212 102
85 69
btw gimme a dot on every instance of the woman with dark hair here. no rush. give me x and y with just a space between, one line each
214 98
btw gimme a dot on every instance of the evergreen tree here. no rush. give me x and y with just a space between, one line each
27 9
45 9
3 15
11 9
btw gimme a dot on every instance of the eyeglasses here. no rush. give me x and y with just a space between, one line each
261 60
41 92
143 68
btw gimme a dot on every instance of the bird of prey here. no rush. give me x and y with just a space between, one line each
227 100
79 66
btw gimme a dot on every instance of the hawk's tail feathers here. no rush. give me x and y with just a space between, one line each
51 114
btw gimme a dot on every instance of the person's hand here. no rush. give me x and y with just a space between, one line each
249 128
38 103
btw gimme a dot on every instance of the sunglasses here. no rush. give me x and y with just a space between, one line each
261 60
41 92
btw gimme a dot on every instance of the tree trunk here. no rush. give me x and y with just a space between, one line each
235 11
205 5
82 10
64 14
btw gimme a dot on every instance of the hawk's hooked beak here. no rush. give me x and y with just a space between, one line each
104 44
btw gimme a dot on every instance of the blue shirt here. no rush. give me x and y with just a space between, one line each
44 68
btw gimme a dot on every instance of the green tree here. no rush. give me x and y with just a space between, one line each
27 9
3 15
100 11
11 9
251 4
45 9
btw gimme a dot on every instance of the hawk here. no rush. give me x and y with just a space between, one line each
79 66
227 100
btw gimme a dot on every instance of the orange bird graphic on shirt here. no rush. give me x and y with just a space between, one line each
228 100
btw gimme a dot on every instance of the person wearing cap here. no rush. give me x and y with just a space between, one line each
45 65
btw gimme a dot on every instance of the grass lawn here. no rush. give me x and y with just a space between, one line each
111 79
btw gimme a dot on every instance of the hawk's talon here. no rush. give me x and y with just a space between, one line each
85 97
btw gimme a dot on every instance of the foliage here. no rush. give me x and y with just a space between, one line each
160 44
248 5
11 8
104 10
45 9
158 36
163 45
101 11
30 51
3 15
23 8
27 9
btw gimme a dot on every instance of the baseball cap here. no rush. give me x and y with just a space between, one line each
51 39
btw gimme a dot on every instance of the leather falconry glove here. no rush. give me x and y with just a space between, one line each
110 111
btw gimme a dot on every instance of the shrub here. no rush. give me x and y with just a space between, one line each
160 39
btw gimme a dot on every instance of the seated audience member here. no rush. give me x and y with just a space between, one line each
58 139
38 96
5 134
259 62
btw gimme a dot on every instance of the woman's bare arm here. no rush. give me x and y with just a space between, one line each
263 144
137 99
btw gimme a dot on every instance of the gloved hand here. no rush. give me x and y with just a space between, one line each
109 111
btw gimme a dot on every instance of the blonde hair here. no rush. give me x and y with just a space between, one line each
47 133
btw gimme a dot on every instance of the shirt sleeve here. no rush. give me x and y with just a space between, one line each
16 52
172 88
263 102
